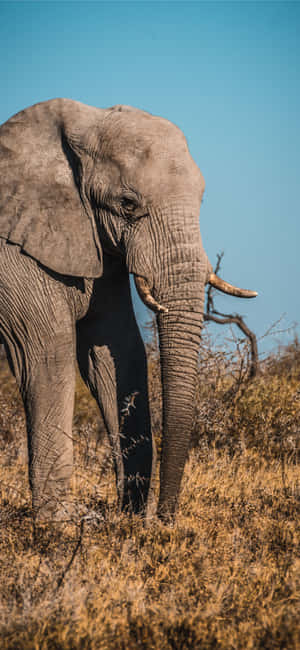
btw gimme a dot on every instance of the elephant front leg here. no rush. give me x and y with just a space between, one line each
116 373
49 402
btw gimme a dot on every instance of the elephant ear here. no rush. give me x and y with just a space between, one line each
43 207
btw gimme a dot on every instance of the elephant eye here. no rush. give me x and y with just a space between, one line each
132 208
128 204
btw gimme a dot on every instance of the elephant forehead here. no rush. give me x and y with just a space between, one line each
138 133
149 149
162 178
166 176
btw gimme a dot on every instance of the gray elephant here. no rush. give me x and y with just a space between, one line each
88 196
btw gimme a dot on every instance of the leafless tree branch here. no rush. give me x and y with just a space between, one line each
214 315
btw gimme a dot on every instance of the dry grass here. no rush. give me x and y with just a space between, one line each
227 575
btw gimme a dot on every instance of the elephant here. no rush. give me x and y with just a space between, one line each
89 196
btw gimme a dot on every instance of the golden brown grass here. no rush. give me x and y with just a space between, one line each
227 575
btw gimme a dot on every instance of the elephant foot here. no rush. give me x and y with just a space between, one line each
51 524
49 513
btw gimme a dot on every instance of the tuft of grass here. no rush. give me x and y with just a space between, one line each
226 575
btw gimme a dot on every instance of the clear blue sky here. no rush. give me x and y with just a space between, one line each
228 73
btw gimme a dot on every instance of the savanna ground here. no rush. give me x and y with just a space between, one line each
227 575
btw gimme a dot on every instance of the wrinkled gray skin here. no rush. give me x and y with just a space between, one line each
88 196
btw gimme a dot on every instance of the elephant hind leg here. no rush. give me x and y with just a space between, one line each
98 372
113 364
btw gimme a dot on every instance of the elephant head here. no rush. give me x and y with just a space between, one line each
78 181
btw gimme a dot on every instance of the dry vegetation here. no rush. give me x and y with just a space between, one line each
225 576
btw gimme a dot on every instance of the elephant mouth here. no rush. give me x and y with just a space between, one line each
144 292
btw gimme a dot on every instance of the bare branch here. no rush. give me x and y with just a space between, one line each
224 319
210 289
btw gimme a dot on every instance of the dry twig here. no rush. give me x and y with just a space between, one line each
216 316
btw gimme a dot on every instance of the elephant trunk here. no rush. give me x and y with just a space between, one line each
179 337
171 281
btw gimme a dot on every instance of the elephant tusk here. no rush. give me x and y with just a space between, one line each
145 295
216 282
